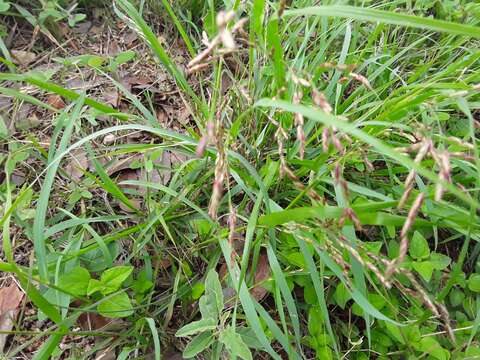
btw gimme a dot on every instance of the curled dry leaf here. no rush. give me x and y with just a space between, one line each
56 101
162 117
91 321
21 57
10 300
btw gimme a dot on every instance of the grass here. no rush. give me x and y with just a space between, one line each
327 206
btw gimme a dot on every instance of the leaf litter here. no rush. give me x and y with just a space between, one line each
10 300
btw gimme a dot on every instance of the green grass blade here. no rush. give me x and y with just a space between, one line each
281 282
168 191
247 302
319 289
48 347
156 339
376 143
179 27
66 93
131 15
42 203
71 223
107 183
388 17
257 17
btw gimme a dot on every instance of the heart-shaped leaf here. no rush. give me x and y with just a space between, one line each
419 247
113 278
75 281
116 306
424 268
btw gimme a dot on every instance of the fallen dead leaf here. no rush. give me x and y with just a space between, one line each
27 122
10 299
162 173
22 57
92 321
129 37
170 354
122 164
162 117
262 273
24 117
78 162
106 354
183 116
18 177
56 101
96 30
164 263
5 102
113 49
111 96
82 28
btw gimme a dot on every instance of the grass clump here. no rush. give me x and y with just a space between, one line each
321 200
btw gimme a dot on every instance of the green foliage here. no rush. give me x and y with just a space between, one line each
115 306
302 278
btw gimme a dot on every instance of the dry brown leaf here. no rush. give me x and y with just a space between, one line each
78 162
56 101
162 117
22 57
82 28
122 164
92 321
262 273
113 49
111 96
81 83
18 177
170 354
183 115
161 174
5 102
130 37
31 121
10 299
24 117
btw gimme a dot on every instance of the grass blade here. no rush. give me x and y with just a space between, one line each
351 129
42 204
388 17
